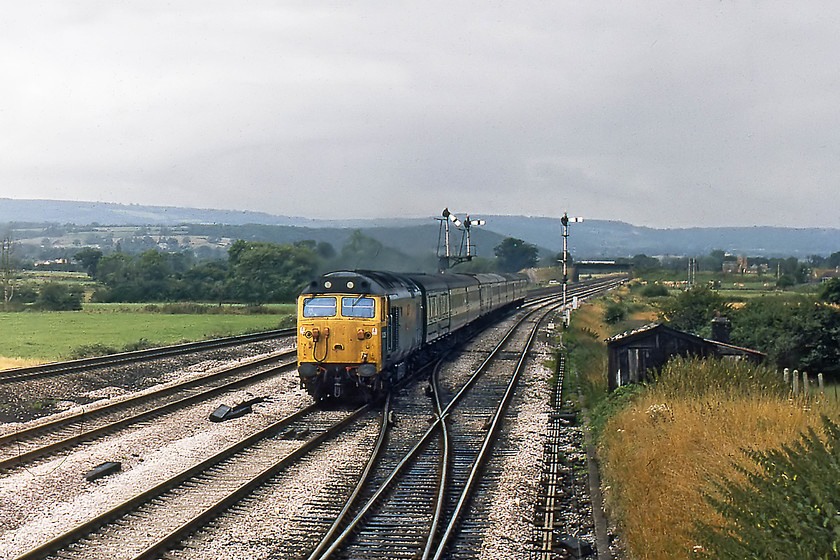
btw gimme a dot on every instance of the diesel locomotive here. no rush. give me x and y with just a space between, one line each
358 332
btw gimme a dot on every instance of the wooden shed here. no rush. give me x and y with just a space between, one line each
632 354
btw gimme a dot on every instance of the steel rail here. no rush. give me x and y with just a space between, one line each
160 392
444 467
139 417
175 537
486 445
351 500
88 527
409 456
82 364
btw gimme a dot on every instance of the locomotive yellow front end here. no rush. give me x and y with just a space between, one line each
339 343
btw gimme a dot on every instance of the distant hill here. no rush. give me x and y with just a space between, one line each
590 239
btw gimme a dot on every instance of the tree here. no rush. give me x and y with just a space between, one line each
644 262
57 297
785 281
89 258
360 251
325 250
797 333
816 261
203 282
694 309
268 272
713 261
831 291
515 254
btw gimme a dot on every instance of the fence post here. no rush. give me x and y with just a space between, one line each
806 385
796 383
821 383
786 376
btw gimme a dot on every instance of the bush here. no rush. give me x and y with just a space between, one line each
92 350
788 509
58 297
95 350
614 313
141 344
654 290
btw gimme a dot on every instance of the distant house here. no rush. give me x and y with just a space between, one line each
828 275
633 354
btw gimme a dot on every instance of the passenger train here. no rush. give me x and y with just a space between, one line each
358 332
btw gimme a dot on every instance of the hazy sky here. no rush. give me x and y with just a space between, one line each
655 113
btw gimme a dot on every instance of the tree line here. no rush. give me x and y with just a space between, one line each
798 331
258 272
785 271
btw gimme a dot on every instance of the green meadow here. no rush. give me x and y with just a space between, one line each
50 336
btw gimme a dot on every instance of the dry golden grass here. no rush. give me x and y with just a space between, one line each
659 455
9 363
646 316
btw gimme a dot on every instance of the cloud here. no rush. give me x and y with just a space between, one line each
659 114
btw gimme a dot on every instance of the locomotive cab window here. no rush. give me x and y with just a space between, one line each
362 307
319 307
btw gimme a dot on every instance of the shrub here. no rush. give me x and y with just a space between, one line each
57 297
92 350
661 446
654 290
787 509
141 344
614 313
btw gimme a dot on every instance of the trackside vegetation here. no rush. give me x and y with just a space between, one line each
713 459
684 461
786 508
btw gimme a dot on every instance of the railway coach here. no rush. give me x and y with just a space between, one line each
358 332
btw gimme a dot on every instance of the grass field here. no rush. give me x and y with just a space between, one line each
27 338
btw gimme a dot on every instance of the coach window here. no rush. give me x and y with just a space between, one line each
319 307
356 306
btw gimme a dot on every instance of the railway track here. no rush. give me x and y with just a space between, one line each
408 509
158 519
74 366
419 509
41 440
410 443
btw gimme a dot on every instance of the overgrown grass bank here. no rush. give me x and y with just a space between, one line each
691 460
620 311
675 438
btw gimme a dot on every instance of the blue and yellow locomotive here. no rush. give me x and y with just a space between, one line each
360 331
